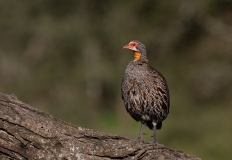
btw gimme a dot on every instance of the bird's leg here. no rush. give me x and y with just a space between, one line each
154 134
141 131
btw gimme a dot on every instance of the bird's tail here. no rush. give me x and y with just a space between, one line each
159 125
150 125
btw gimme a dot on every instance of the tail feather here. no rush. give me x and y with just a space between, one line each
150 125
159 125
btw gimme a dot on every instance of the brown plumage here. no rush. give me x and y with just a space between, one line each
144 90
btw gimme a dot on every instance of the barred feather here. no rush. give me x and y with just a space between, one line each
145 93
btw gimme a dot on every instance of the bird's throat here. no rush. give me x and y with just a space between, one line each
137 56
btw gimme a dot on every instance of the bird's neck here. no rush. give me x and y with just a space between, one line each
137 56
140 58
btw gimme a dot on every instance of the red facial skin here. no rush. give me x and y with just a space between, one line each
132 46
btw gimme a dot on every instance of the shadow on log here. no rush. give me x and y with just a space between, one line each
28 133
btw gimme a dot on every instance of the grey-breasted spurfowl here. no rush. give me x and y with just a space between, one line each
144 90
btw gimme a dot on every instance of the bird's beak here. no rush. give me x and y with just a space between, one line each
131 48
125 47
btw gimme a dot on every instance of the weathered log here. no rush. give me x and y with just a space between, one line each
28 133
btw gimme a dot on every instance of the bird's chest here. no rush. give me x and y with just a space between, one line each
134 91
135 82
135 73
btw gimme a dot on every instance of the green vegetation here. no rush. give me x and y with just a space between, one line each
65 58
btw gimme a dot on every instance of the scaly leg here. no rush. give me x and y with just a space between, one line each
154 129
141 131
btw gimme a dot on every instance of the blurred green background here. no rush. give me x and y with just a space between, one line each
66 58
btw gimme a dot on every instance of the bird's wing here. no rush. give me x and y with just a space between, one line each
159 95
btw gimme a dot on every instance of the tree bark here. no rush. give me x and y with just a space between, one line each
28 133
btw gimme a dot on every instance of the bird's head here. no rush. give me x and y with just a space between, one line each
138 48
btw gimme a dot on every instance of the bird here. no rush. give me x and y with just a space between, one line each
144 91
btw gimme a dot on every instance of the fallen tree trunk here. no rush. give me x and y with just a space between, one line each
28 133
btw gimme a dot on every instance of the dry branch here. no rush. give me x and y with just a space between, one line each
28 133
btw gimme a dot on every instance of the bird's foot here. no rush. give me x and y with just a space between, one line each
156 145
140 140
140 136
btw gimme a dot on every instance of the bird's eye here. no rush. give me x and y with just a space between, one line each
133 44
